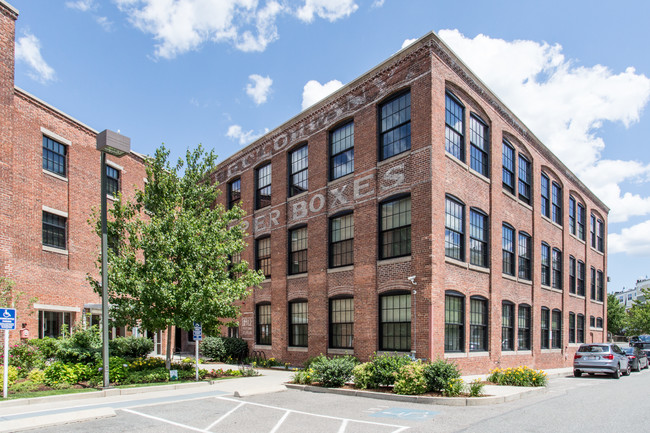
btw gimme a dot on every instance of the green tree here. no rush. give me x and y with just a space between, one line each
171 249
639 315
12 298
616 317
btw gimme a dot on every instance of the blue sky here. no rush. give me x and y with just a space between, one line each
221 72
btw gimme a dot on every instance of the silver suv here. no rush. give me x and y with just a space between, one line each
603 358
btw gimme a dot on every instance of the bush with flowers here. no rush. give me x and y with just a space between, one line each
520 376
12 375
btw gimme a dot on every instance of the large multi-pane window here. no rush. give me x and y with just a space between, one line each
342 151
556 278
395 322
298 323
580 329
600 293
546 195
546 264
51 323
54 156
581 278
545 320
593 283
599 323
525 173
263 322
263 256
478 238
572 327
581 221
592 230
525 252
572 215
454 127
341 323
298 250
556 203
454 323
234 193
112 181
478 325
508 167
592 322
263 182
600 236
523 327
508 249
54 231
395 235
479 139
342 241
556 329
299 171
507 326
454 229
572 274
395 125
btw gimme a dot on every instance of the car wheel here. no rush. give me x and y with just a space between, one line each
628 370
617 373
577 373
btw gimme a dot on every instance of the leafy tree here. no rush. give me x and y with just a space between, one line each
170 256
11 298
639 315
616 317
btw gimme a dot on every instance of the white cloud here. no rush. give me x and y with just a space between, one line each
259 89
330 10
315 91
408 42
105 23
179 26
566 106
82 5
28 50
378 3
633 241
236 132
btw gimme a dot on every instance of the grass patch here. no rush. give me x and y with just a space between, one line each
33 394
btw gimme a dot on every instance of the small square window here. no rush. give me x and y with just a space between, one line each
54 231
55 156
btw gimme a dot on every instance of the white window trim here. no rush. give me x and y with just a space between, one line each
55 136
114 165
57 308
55 211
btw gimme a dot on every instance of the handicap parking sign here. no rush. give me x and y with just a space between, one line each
8 318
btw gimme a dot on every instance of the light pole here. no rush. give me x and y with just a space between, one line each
117 145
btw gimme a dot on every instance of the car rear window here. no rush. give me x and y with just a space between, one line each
593 348
629 350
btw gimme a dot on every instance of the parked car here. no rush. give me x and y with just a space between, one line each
601 358
645 347
637 357
639 339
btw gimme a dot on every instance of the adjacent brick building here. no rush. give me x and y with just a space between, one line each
49 184
412 211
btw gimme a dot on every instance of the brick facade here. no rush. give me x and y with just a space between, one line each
426 172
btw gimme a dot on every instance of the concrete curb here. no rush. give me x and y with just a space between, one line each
37 422
443 401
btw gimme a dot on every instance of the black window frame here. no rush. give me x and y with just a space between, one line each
525 179
599 323
509 166
524 327
263 261
455 232
478 324
263 329
580 328
581 221
592 230
545 186
524 255
592 285
592 321
298 323
263 190
113 183
600 235
556 269
572 275
556 203
545 327
458 341
572 215
55 156
507 326
298 249
556 331
572 327
581 276
403 125
349 151
508 254
457 150
389 247
479 141
234 193
298 171
600 286
546 264
348 326
54 231
396 331
479 240
341 252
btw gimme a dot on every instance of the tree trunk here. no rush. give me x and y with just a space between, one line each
168 357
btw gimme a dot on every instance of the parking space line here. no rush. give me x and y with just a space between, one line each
277 426
344 425
225 415
165 421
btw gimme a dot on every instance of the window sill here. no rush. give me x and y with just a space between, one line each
297 349
597 302
582 241
509 277
550 221
576 296
551 350
478 354
340 269
340 179
524 281
478 268
266 280
54 175
597 251
456 262
262 347
457 161
404 259
596 329
349 351
453 355
297 276
394 158
551 289
297 196
480 176
517 199
509 353
55 250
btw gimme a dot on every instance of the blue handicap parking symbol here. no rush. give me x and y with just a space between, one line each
8 318
406 414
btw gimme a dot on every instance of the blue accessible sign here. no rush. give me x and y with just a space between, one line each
198 332
8 319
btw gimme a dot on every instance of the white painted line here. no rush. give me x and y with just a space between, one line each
277 426
224 416
165 421
401 429
344 425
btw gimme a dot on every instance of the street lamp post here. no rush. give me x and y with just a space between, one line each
117 145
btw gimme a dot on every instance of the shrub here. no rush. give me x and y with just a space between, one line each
303 377
84 346
84 372
25 357
36 376
130 347
453 388
410 379
191 375
213 348
520 376
141 364
25 386
385 367
234 347
363 375
439 374
59 372
476 388
334 372
118 369
12 376
47 346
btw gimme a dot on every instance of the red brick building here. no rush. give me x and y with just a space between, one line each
412 211
49 184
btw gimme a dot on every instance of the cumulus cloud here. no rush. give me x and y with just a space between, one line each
179 26
565 106
28 50
315 91
81 5
408 42
259 89
236 132
634 240
378 3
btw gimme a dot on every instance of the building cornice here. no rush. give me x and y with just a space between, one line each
8 10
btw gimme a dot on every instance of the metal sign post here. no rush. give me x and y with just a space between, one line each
8 323
198 336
